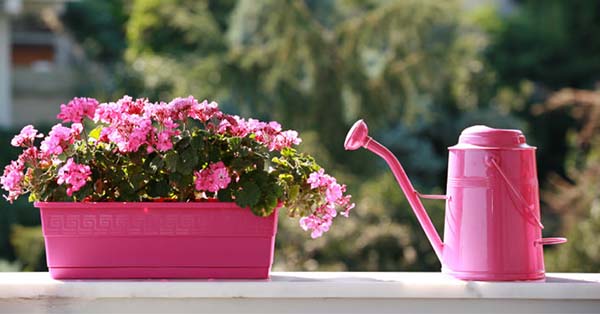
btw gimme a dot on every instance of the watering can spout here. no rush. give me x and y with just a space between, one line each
358 137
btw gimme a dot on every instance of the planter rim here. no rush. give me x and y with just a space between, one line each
179 205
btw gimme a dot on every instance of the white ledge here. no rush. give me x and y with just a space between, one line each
300 292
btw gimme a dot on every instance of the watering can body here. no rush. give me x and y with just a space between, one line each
492 229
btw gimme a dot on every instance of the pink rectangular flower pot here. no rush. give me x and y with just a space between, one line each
156 240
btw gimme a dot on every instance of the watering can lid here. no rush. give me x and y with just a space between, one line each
481 135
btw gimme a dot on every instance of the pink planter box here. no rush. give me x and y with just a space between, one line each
156 240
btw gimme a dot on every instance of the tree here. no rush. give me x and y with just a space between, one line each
552 42
320 65
576 197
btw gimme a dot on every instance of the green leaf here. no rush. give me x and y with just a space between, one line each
235 142
294 192
288 152
225 195
182 143
240 163
136 177
265 207
261 177
171 159
156 163
248 195
187 162
176 178
159 188
95 133
197 142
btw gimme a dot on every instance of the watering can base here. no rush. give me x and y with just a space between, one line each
486 276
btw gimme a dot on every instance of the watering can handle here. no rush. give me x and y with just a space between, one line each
531 218
433 196
550 241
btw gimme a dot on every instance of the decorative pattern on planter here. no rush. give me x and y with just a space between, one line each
151 223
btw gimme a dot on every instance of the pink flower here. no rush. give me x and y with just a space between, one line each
11 180
76 129
130 106
139 134
333 193
163 139
314 179
113 112
159 112
164 142
168 124
204 111
77 109
107 112
129 132
59 138
321 219
317 224
345 203
255 126
273 127
180 107
213 178
29 155
284 139
74 175
319 179
25 137
234 126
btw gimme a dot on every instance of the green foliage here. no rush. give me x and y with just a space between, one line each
548 45
155 24
394 62
575 196
29 247
381 235
551 42
102 19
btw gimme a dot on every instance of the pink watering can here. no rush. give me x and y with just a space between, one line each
492 229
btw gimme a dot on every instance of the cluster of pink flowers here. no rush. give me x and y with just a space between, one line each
139 126
77 109
12 177
131 124
269 134
59 138
320 221
213 178
189 107
11 180
26 137
74 175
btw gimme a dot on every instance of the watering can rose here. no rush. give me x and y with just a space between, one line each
185 150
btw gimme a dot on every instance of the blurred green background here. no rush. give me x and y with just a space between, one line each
418 71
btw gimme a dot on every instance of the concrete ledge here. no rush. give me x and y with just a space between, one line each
301 292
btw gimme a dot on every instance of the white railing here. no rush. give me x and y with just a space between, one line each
305 292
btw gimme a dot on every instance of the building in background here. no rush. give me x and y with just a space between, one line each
35 62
